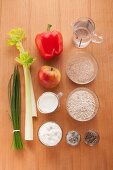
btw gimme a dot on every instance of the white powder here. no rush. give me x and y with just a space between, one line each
82 104
50 134
48 102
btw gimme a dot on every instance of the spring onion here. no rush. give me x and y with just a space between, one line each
15 107
16 36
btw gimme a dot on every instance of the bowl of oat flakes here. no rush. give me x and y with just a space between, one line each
82 68
82 104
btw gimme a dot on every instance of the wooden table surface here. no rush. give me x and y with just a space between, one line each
33 16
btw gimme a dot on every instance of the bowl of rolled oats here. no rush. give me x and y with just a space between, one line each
82 104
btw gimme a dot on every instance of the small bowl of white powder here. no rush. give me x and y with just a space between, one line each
50 134
82 68
82 104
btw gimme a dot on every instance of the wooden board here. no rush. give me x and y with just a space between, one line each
33 16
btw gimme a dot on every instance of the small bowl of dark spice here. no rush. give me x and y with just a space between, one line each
73 138
91 138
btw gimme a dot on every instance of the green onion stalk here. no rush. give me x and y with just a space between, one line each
14 95
16 36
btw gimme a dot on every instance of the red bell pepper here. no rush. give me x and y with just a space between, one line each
49 44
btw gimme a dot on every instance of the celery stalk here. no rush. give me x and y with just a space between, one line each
33 103
28 106
25 59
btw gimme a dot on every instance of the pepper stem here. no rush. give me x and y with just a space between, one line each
48 27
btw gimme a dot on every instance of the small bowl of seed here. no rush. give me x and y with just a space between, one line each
82 68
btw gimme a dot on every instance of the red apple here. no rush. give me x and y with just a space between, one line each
49 77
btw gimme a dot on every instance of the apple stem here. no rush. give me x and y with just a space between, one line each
51 68
48 27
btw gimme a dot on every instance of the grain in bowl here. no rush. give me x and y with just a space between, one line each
82 104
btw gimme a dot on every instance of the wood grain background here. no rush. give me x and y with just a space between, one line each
33 16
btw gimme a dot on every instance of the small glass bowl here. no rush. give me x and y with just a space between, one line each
91 138
82 68
73 138
42 141
96 104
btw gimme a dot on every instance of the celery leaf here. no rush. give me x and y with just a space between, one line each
25 59
16 35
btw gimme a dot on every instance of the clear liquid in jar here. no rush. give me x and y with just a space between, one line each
81 37
82 31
